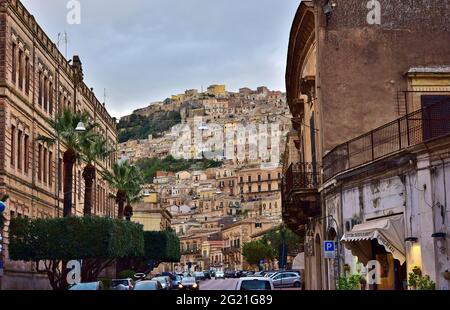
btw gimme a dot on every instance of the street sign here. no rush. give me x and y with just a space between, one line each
329 249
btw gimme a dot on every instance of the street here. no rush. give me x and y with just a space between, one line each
227 285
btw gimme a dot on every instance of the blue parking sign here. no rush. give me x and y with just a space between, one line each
329 249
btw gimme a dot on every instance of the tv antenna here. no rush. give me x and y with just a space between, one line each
63 39
104 96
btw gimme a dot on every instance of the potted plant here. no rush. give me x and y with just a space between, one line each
417 281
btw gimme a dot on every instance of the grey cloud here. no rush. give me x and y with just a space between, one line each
143 51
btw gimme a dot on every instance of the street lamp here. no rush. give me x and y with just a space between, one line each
80 127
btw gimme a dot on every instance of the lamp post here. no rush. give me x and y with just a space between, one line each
80 127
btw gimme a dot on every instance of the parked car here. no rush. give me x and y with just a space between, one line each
189 283
207 275
199 276
92 286
270 274
148 285
213 273
286 279
254 284
117 284
219 275
165 282
230 274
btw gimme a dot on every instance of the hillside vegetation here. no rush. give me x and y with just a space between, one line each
140 127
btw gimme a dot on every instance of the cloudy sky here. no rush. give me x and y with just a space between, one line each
145 50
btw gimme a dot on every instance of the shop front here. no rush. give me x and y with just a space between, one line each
381 241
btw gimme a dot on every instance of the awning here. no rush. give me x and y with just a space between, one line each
389 232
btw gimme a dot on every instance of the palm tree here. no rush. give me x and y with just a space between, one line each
65 126
93 147
125 178
134 195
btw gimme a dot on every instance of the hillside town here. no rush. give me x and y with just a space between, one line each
216 113
215 211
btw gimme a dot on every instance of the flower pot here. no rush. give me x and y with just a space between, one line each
446 275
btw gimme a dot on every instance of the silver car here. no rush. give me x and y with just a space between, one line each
286 279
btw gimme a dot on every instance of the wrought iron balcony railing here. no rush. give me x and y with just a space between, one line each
301 176
423 125
190 251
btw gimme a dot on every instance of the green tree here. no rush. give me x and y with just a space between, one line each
124 178
95 240
133 195
64 126
93 147
282 236
255 251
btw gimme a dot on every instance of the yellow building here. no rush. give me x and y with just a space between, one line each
217 90
152 217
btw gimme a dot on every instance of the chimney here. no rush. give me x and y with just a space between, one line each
78 69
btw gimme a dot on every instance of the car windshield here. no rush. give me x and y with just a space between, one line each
252 285
85 287
199 274
145 286
188 280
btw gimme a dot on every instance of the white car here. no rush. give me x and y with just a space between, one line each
220 275
254 284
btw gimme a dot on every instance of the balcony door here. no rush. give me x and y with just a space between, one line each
436 116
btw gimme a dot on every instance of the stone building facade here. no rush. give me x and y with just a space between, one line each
345 78
36 83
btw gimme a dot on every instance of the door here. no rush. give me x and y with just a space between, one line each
277 280
436 116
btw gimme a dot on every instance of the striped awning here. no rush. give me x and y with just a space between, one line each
388 231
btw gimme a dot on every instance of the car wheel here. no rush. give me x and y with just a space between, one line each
297 284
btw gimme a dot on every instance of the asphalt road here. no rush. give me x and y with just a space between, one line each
218 285
227 285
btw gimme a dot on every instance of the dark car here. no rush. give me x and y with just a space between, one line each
241 274
189 283
176 281
207 275
230 274
199 276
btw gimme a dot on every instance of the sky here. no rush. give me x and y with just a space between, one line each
143 51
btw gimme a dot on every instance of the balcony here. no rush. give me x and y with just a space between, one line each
424 125
231 249
301 198
190 251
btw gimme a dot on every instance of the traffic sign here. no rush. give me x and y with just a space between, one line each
329 249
